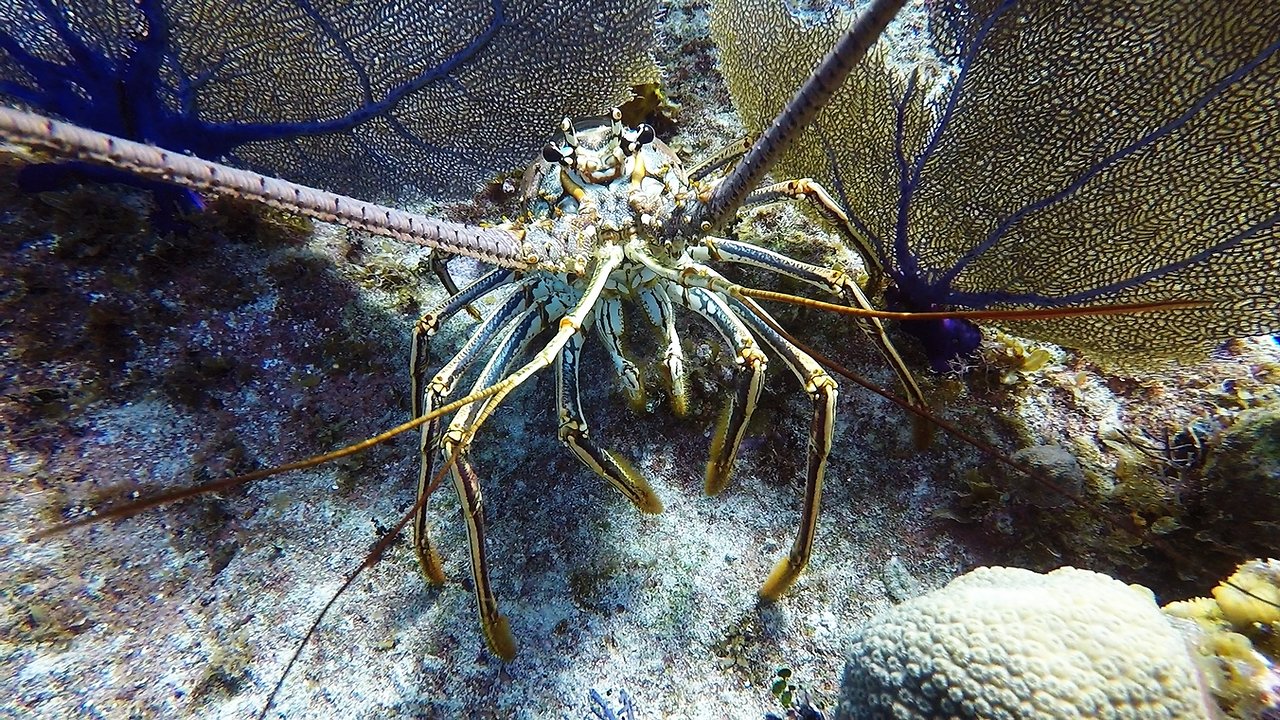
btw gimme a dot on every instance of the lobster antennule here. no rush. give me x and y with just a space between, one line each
179 495
370 559
1120 522
1005 314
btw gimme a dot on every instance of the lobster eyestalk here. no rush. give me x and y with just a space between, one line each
799 112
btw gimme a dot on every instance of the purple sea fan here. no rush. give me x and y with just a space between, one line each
1004 154
377 98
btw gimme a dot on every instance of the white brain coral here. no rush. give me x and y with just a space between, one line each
1003 643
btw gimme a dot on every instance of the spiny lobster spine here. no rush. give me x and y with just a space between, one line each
492 245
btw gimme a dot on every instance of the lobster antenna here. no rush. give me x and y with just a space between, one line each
493 245
804 106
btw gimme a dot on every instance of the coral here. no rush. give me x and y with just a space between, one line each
1238 639
1252 596
1045 154
1009 643
1236 498
1058 465
371 98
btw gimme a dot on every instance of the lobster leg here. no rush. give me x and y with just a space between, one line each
440 387
836 282
657 307
821 200
749 370
457 439
570 324
496 628
574 434
822 389
427 326
440 266
463 428
609 326
720 158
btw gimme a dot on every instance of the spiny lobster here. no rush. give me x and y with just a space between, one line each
612 216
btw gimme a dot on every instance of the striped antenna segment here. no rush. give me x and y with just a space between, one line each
799 112
492 245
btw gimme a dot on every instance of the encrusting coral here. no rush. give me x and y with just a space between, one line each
1238 639
1006 643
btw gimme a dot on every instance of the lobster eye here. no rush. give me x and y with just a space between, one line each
644 135
633 140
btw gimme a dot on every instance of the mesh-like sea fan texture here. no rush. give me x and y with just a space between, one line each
1049 153
380 98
